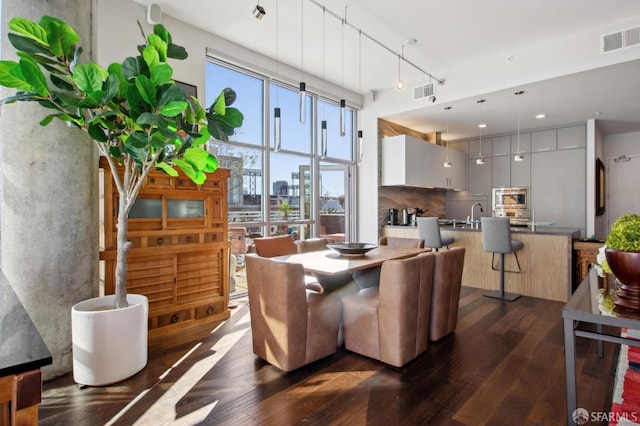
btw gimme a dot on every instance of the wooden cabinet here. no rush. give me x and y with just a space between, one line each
180 251
409 161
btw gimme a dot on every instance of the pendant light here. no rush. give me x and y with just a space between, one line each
447 162
343 102
277 128
480 160
302 93
400 83
323 123
518 156
360 145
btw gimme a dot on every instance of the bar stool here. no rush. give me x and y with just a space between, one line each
496 238
429 231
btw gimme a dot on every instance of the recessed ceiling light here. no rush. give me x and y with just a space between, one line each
482 125
541 115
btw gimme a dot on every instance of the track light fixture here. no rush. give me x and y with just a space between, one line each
259 11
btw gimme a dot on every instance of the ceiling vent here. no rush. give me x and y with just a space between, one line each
621 39
422 92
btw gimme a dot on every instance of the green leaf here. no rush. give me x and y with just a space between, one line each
212 164
97 133
146 89
167 169
162 32
229 96
61 83
203 138
29 29
195 175
159 45
151 56
34 76
61 35
173 108
219 105
89 77
25 44
11 76
137 140
43 60
161 74
115 152
151 119
222 126
176 52
135 101
196 156
20 96
130 68
111 86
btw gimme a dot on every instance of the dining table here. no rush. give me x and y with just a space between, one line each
330 262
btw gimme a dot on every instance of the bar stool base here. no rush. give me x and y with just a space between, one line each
509 297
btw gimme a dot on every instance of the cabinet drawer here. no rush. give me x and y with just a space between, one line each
174 317
185 183
159 241
214 237
209 309
158 181
188 239
212 184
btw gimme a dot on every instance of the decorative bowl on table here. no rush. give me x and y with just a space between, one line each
352 249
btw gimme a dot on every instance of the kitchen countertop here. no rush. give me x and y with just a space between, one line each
22 347
548 230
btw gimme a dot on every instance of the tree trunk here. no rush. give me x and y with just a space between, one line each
122 251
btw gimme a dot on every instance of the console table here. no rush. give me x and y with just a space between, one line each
582 307
22 354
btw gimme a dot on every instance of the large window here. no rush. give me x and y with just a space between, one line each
295 189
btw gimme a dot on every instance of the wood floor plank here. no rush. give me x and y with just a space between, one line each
503 365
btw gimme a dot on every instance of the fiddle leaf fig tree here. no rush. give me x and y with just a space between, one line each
139 119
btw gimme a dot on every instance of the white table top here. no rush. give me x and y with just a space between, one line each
329 262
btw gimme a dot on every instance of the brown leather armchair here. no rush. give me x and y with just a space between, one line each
401 242
390 323
290 325
445 295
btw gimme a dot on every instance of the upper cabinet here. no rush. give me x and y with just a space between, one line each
480 146
408 161
525 143
544 140
572 137
501 145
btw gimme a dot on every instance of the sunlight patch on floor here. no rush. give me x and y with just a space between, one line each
157 414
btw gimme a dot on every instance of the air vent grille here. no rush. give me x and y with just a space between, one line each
621 39
422 92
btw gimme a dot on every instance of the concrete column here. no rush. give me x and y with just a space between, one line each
49 209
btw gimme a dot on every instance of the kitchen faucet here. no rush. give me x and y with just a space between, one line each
481 211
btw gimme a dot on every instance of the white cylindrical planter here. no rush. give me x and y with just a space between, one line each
109 345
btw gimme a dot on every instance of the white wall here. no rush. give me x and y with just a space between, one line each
614 146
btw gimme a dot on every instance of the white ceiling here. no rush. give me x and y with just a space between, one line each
451 35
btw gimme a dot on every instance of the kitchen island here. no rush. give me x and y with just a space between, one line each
545 260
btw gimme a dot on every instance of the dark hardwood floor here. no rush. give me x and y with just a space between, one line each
504 365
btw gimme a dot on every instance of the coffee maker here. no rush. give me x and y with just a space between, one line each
393 217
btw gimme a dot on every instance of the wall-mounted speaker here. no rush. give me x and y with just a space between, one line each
154 14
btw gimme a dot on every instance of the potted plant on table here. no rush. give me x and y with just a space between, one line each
140 120
622 253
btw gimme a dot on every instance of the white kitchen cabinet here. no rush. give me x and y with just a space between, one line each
544 140
501 145
409 161
520 170
501 171
572 137
479 178
475 147
558 187
525 143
